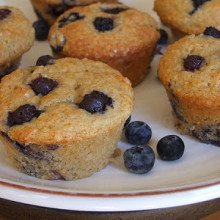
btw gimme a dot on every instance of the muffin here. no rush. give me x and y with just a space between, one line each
190 73
50 10
63 118
13 44
115 34
188 16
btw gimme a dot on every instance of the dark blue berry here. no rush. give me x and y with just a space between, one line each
4 13
138 132
193 62
114 11
95 102
163 37
170 148
43 85
41 29
212 32
9 69
24 113
103 24
45 60
74 16
139 159
57 10
59 48
29 152
197 4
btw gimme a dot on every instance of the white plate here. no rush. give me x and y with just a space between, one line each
192 179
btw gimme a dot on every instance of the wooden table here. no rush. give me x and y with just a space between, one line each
12 210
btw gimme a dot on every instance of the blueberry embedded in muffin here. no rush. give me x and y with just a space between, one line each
197 4
190 73
63 119
99 24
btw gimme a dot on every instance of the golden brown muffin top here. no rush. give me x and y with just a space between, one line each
189 16
122 30
61 118
17 34
190 69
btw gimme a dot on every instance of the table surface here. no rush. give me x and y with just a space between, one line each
13 210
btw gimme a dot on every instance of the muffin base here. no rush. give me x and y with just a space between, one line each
209 133
8 68
70 161
134 66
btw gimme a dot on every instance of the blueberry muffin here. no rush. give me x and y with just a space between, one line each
115 34
189 16
13 44
50 10
190 73
62 119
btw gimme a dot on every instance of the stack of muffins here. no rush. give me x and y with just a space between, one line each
62 118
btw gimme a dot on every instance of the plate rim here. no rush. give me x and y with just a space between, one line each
108 203
109 194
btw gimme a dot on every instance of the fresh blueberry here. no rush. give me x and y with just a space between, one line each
127 121
170 148
95 102
114 11
103 24
138 132
163 37
43 85
4 13
193 62
213 32
41 29
45 60
139 159
24 113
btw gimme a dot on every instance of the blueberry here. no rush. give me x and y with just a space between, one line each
41 29
24 113
28 151
213 32
163 37
193 62
45 60
57 10
4 13
170 148
138 132
139 159
95 102
127 121
103 24
197 4
43 85
114 11
74 16
59 48
9 69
